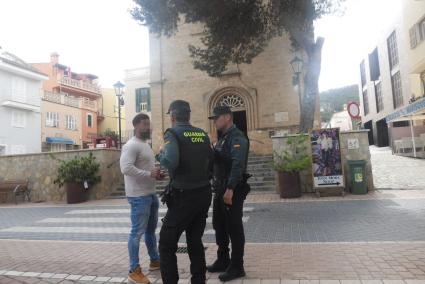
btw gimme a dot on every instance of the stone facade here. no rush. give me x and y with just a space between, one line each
41 169
262 92
362 153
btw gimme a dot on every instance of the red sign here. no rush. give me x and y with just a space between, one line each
353 109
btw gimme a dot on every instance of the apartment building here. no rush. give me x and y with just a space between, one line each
137 96
20 87
393 83
71 107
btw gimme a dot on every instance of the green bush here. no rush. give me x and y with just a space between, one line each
295 157
79 170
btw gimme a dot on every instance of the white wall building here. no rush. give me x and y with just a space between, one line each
137 97
20 99
341 120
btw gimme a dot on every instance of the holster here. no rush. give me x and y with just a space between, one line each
167 195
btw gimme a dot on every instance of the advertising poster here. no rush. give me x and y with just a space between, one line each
327 165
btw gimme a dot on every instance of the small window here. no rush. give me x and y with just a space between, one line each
413 37
71 122
18 118
375 71
421 27
365 102
89 120
379 97
52 119
363 73
19 89
397 90
143 100
392 50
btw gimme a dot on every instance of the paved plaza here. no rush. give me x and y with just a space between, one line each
356 239
396 172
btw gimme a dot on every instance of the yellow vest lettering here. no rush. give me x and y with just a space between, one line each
197 140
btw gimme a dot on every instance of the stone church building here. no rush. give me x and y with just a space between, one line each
261 94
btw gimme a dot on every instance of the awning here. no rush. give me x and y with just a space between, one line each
59 140
414 111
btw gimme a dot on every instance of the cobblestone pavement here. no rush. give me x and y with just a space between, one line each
53 262
379 236
395 172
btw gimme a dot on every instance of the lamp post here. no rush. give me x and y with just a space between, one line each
119 90
297 69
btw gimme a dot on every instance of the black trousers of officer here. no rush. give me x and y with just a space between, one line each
227 223
187 213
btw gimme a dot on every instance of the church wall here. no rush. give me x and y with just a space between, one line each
265 85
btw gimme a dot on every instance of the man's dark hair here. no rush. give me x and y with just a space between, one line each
181 115
139 117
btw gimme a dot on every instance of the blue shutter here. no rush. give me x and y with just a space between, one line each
138 100
148 94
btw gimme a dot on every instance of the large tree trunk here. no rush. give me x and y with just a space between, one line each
311 85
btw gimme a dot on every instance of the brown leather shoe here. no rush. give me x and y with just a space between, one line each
154 265
137 277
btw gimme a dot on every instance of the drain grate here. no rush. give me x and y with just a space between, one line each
184 249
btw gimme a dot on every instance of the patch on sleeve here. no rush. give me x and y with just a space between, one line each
167 142
237 146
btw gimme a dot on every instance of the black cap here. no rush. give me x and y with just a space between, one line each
220 110
179 105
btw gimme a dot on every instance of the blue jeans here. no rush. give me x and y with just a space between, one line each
144 219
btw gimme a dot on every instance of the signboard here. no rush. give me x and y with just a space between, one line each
326 155
281 117
353 144
353 109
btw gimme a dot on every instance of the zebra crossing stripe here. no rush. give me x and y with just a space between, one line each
113 220
79 230
123 211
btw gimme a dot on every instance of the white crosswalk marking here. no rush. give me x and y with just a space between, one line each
122 211
78 230
77 223
116 220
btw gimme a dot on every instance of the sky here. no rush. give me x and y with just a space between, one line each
101 38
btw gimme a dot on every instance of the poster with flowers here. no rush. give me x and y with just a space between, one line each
326 158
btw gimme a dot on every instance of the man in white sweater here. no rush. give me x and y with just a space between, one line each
138 166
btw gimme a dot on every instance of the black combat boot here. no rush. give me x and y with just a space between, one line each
221 264
232 272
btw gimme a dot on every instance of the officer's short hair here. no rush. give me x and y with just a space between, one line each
181 115
139 117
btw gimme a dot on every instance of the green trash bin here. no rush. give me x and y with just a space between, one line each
357 170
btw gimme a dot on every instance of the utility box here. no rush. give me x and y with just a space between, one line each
357 169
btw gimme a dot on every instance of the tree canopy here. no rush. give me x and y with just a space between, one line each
236 31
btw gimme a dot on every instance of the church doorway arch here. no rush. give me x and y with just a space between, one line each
237 104
242 104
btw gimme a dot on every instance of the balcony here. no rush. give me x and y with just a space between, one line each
79 84
65 99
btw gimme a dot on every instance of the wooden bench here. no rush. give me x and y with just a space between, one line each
17 187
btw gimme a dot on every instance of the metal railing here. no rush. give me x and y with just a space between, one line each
65 99
80 84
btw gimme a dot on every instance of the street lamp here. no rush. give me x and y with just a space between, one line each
119 91
297 69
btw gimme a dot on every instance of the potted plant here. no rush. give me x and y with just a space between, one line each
289 162
77 175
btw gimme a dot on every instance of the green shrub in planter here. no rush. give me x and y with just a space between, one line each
289 162
79 170
295 157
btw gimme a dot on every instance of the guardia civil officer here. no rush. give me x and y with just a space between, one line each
187 155
230 160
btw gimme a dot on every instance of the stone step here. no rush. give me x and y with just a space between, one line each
260 166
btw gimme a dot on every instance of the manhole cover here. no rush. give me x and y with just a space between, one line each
184 249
